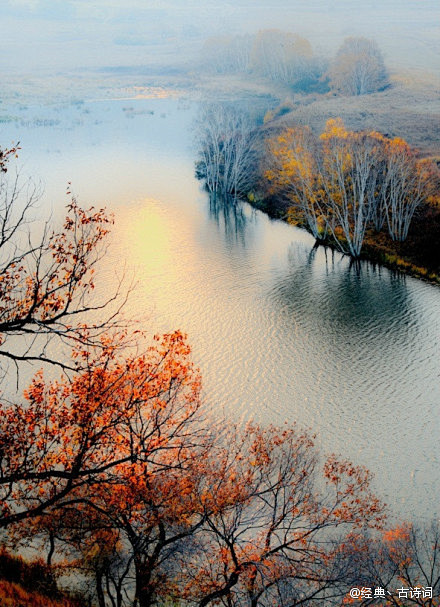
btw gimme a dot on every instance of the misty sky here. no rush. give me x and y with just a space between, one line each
57 34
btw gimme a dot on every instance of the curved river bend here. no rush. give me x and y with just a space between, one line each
280 331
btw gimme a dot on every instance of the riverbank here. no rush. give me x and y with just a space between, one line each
418 256
409 108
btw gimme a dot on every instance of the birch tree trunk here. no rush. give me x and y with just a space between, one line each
227 158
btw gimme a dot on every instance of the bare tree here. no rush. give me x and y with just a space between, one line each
348 179
268 537
225 139
227 54
358 68
281 56
407 184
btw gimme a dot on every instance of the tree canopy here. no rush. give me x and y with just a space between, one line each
358 67
345 182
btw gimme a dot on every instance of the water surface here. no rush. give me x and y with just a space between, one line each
281 331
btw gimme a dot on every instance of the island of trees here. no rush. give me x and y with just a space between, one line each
131 493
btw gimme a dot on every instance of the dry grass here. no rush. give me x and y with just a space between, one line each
408 108
14 595
30 584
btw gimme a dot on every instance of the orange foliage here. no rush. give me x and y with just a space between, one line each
267 524
345 182
242 509
44 294
46 281
115 413
24 583
398 534
4 157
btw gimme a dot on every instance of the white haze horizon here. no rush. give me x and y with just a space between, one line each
56 35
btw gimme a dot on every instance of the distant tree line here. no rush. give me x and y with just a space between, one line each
287 58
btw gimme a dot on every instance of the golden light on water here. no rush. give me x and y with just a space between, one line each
147 236
157 247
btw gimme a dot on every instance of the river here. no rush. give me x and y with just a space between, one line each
280 331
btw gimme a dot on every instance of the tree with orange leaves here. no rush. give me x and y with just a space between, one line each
344 183
115 412
408 182
292 171
404 562
155 515
350 173
332 180
273 525
244 518
47 282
